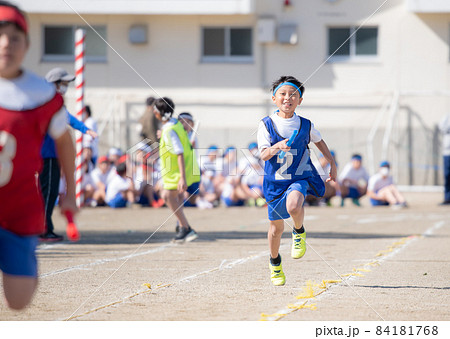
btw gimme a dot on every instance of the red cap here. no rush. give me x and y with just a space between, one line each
122 159
10 14
102 159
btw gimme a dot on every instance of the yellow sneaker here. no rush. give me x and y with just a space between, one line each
298 245
277 275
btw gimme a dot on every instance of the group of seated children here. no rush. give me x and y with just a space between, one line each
120 180
228 177
232 182
354 182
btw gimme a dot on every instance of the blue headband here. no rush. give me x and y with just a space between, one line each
289 84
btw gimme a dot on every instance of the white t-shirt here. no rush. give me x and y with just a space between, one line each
377 182
285 127
89 141
105 178
174 139
213 166
245 162
349 172
225 168
252 178
117 184
29 91
87 180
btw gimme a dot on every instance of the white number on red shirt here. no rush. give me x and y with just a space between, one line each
8 147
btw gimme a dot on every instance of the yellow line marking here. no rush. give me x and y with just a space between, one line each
312 307
312 289
185 279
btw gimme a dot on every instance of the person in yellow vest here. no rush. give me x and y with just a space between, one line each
179 167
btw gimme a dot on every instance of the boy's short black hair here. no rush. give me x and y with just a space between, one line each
165 106
288 78
150 101
9 4
121 168
87 109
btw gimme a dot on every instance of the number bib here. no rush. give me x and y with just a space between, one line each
296 165
21 137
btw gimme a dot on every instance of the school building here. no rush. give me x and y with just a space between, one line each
376 72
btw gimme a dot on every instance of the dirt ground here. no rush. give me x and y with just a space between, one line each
361 264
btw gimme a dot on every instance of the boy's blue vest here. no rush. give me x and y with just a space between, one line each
279 174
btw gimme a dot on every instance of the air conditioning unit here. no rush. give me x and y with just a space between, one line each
266 28
287 34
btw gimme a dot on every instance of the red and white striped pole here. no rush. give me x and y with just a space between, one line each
80 35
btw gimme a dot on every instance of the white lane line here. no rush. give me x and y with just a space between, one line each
187 279
285 311
105 261
42 247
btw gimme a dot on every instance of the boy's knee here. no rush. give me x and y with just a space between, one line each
294 206
275 231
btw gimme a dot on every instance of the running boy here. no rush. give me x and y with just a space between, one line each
287 181
179 168
29 107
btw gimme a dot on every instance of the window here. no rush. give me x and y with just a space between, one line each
226 44
362 44
59 43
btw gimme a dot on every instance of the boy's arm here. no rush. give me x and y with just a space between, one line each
182 186
371 194
371 189
322 146
66 155
77 124
81 126
269 152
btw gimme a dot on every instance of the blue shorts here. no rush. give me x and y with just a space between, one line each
376 202
230 203
18 254
277 208
353 193
187 203
194 188
118 201
143 200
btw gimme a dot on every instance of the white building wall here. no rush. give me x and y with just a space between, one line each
343 99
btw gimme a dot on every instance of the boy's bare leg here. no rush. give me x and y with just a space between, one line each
130 196
238 194
386 194
99 196
148 192
276 229
174 202
398 196
294 206
18 290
